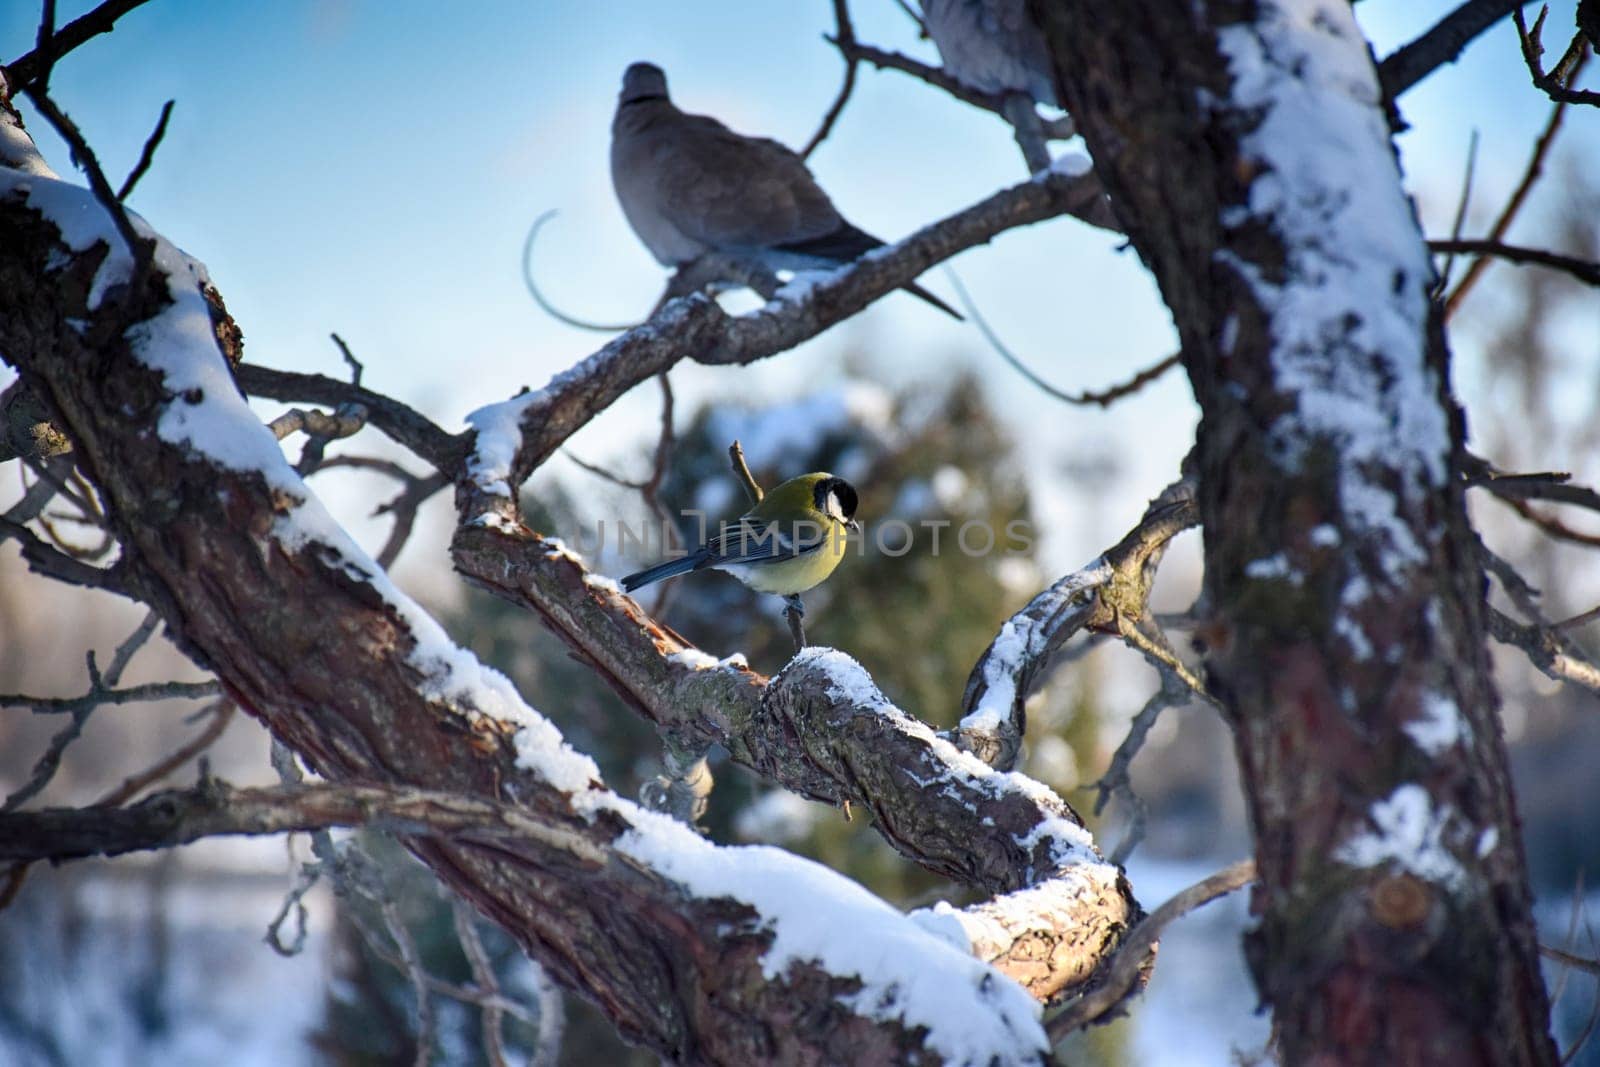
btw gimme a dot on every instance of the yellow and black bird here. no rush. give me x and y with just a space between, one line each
786 544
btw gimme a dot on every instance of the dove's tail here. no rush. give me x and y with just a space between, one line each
849 242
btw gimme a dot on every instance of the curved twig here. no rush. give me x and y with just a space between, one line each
539 298
1103 398
1137 950
844 31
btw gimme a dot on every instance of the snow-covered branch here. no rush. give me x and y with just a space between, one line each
691 947
514 437
1110 594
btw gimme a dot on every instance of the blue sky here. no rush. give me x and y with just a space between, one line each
372 168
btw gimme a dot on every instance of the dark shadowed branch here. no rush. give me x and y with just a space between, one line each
1442 43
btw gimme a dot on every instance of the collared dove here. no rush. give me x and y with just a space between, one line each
689 185
996 47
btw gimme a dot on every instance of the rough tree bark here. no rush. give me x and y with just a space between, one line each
675 941
1245 149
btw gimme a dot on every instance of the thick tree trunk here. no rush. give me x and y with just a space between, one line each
1245 149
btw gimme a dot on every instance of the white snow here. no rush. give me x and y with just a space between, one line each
208 417
499 428
972 1013
1071 164
696 660
1349 313
1019 641
1068 843
1409 834
599 581
1325 536
1273 567
1440 726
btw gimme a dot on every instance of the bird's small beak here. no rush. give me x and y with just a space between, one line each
853 525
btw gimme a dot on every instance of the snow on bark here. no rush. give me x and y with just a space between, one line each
971 1012
1349 308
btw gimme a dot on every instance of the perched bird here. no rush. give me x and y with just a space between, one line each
689 185
786 544
996 47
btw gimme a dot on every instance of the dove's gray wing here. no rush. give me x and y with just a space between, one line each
992 45
688 184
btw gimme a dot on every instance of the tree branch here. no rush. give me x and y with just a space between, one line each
102 19
1441 44
1581 269
1137 952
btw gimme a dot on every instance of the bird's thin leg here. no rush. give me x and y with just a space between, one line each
1028 129
795 612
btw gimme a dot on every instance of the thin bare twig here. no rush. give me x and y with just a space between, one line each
221 715
147 156
142 249
1582 269
418 975
37 63
1103 398
494 1049
357 368
741 470
1555 82
45 768
1442 284
1116 782
845 32
1135 952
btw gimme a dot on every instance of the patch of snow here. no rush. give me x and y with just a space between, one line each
972 1013
1441 725
595 580
499 435
1273 567
1325 535
1071 164
1409 834
696 660
555 548
1349 313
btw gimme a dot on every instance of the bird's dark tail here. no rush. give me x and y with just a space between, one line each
849 242
670 569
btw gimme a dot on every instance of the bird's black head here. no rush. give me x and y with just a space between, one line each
643 81
837 498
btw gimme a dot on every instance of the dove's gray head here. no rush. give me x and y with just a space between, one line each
643 81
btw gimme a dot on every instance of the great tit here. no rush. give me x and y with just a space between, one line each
786 544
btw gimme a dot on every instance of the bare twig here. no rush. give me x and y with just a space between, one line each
845 33
53 563
148 155
1116 782
401 423
100 695
346 422
741 471
414 970
36 64
357 368
539 297
1104 398
1442 284
142 249
1562 956
483 976
1055 129
1136 950
221 715
1497 232
1581 269
80 709
1554 82
1442 43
